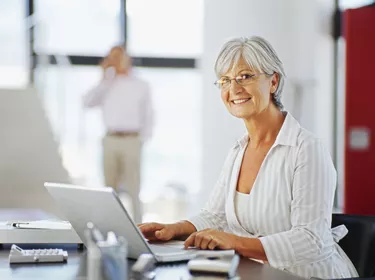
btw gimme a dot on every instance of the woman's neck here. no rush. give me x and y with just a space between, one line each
264 127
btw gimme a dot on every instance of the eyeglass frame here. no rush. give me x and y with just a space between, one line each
216 83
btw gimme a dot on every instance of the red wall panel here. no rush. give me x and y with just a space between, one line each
359 28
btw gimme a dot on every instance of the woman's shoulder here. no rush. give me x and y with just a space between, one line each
295 133
306 137
309 143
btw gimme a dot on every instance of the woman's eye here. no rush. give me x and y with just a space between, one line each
246 77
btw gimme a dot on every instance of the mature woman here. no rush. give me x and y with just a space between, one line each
274 198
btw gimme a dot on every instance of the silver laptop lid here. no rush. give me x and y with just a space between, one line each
102 207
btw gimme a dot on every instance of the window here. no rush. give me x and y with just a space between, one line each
165 28
13 50
86 27
171 156
78 131
169 160
163 33
350 4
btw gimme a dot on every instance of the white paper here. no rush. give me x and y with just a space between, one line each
42 224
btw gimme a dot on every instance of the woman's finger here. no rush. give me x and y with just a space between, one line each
190 240
150 227
213 244
198 239
205 240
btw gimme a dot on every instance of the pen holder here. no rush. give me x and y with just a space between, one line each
106 258
114 259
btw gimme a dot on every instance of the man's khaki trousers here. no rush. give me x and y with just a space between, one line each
121 160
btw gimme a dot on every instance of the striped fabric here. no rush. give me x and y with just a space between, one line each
289 207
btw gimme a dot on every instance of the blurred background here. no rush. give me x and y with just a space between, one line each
49 55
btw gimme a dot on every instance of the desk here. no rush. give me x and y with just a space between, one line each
75 268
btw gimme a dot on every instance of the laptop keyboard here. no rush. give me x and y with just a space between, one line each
167 249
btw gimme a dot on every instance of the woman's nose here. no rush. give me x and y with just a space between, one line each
235 88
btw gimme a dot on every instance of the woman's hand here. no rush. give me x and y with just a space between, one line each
212 239
156 231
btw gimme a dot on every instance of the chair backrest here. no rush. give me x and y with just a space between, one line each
359 243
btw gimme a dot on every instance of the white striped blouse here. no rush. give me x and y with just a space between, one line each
289 207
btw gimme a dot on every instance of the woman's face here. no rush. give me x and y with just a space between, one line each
253 96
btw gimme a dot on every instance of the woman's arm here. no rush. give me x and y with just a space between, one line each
184 229
250 248
214 239
213 214
311 209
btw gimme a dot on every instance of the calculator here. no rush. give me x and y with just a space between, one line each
18 255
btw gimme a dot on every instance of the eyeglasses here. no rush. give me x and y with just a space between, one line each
242 80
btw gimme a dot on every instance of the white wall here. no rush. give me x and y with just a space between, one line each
28 153
296 31
324 75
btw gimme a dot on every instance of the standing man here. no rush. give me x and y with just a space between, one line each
126 105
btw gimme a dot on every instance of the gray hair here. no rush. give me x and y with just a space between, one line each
259 55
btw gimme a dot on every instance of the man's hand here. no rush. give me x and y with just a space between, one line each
105 63
212 239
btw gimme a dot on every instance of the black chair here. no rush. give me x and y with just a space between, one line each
359 243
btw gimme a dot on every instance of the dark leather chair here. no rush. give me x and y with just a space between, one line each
359 243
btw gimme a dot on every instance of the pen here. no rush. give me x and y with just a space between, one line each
111 238
18 224
96 235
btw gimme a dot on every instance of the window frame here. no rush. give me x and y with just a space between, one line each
82 60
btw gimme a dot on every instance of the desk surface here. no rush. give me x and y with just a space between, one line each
75 268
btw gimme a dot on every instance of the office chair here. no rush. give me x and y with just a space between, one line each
359 243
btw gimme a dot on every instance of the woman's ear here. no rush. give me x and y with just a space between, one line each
275 82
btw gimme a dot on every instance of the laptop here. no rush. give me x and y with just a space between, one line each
103 207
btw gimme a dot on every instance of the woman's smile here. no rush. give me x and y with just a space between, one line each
240 101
